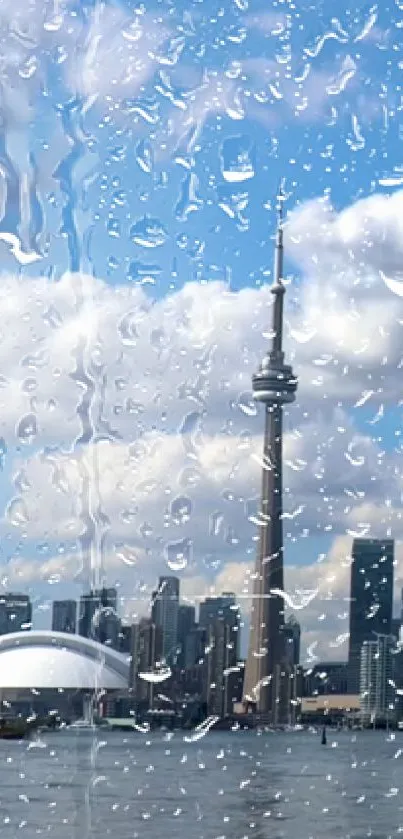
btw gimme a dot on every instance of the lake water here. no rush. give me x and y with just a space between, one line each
223 786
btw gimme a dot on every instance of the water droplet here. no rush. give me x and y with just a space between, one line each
201 730
17 512
300 600
158 339
156 676
392 181
148 233
29 68
29 385
128 516
247 404
27 428
190 430
189 477
237 159
145 273
245 440
127 329
127 554
36 361
355 461
181 508
113 228
178 554
3 452
216 524
21 482
133 407
302 337
172 51
212 562
144 156
347 71
145 530
357 141
368 25
394 285
53 24
364 398
188 201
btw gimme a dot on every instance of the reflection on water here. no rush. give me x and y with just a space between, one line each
237 786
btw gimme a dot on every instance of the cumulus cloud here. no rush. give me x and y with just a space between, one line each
133 445
119 53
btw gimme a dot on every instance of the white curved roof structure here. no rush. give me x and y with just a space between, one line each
51 660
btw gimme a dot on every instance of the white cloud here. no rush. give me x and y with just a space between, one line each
119 53
156 442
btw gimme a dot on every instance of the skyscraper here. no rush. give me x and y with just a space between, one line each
164 614
64 616
146 654
98 618
376 685
15 613
292 641
371 594
274 385
186 623
220 618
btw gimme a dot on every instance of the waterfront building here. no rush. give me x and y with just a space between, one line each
164 613
98 618
371 599
15 613
376 684
186 624
64 616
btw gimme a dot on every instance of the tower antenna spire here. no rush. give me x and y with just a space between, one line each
280 202
279 249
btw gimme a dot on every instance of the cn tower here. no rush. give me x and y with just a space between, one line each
274 385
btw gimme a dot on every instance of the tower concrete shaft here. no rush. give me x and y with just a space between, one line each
274 384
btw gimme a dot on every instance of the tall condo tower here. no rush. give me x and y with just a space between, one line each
274 385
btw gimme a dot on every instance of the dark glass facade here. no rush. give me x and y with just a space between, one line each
371 594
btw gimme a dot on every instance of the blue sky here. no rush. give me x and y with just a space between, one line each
142 146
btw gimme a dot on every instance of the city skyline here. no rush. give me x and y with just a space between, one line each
334 568
168 305
193 603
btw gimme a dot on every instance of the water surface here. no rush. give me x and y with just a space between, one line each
224 786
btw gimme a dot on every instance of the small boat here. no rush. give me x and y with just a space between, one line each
14 728
324 740
82 725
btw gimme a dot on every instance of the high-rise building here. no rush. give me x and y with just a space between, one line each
396 628
164 614
326 677
274 385
220 618
225 607
15 613
195 646
292 639
146 655
371 595
125 638
186 622
376 684
98 618
64 616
